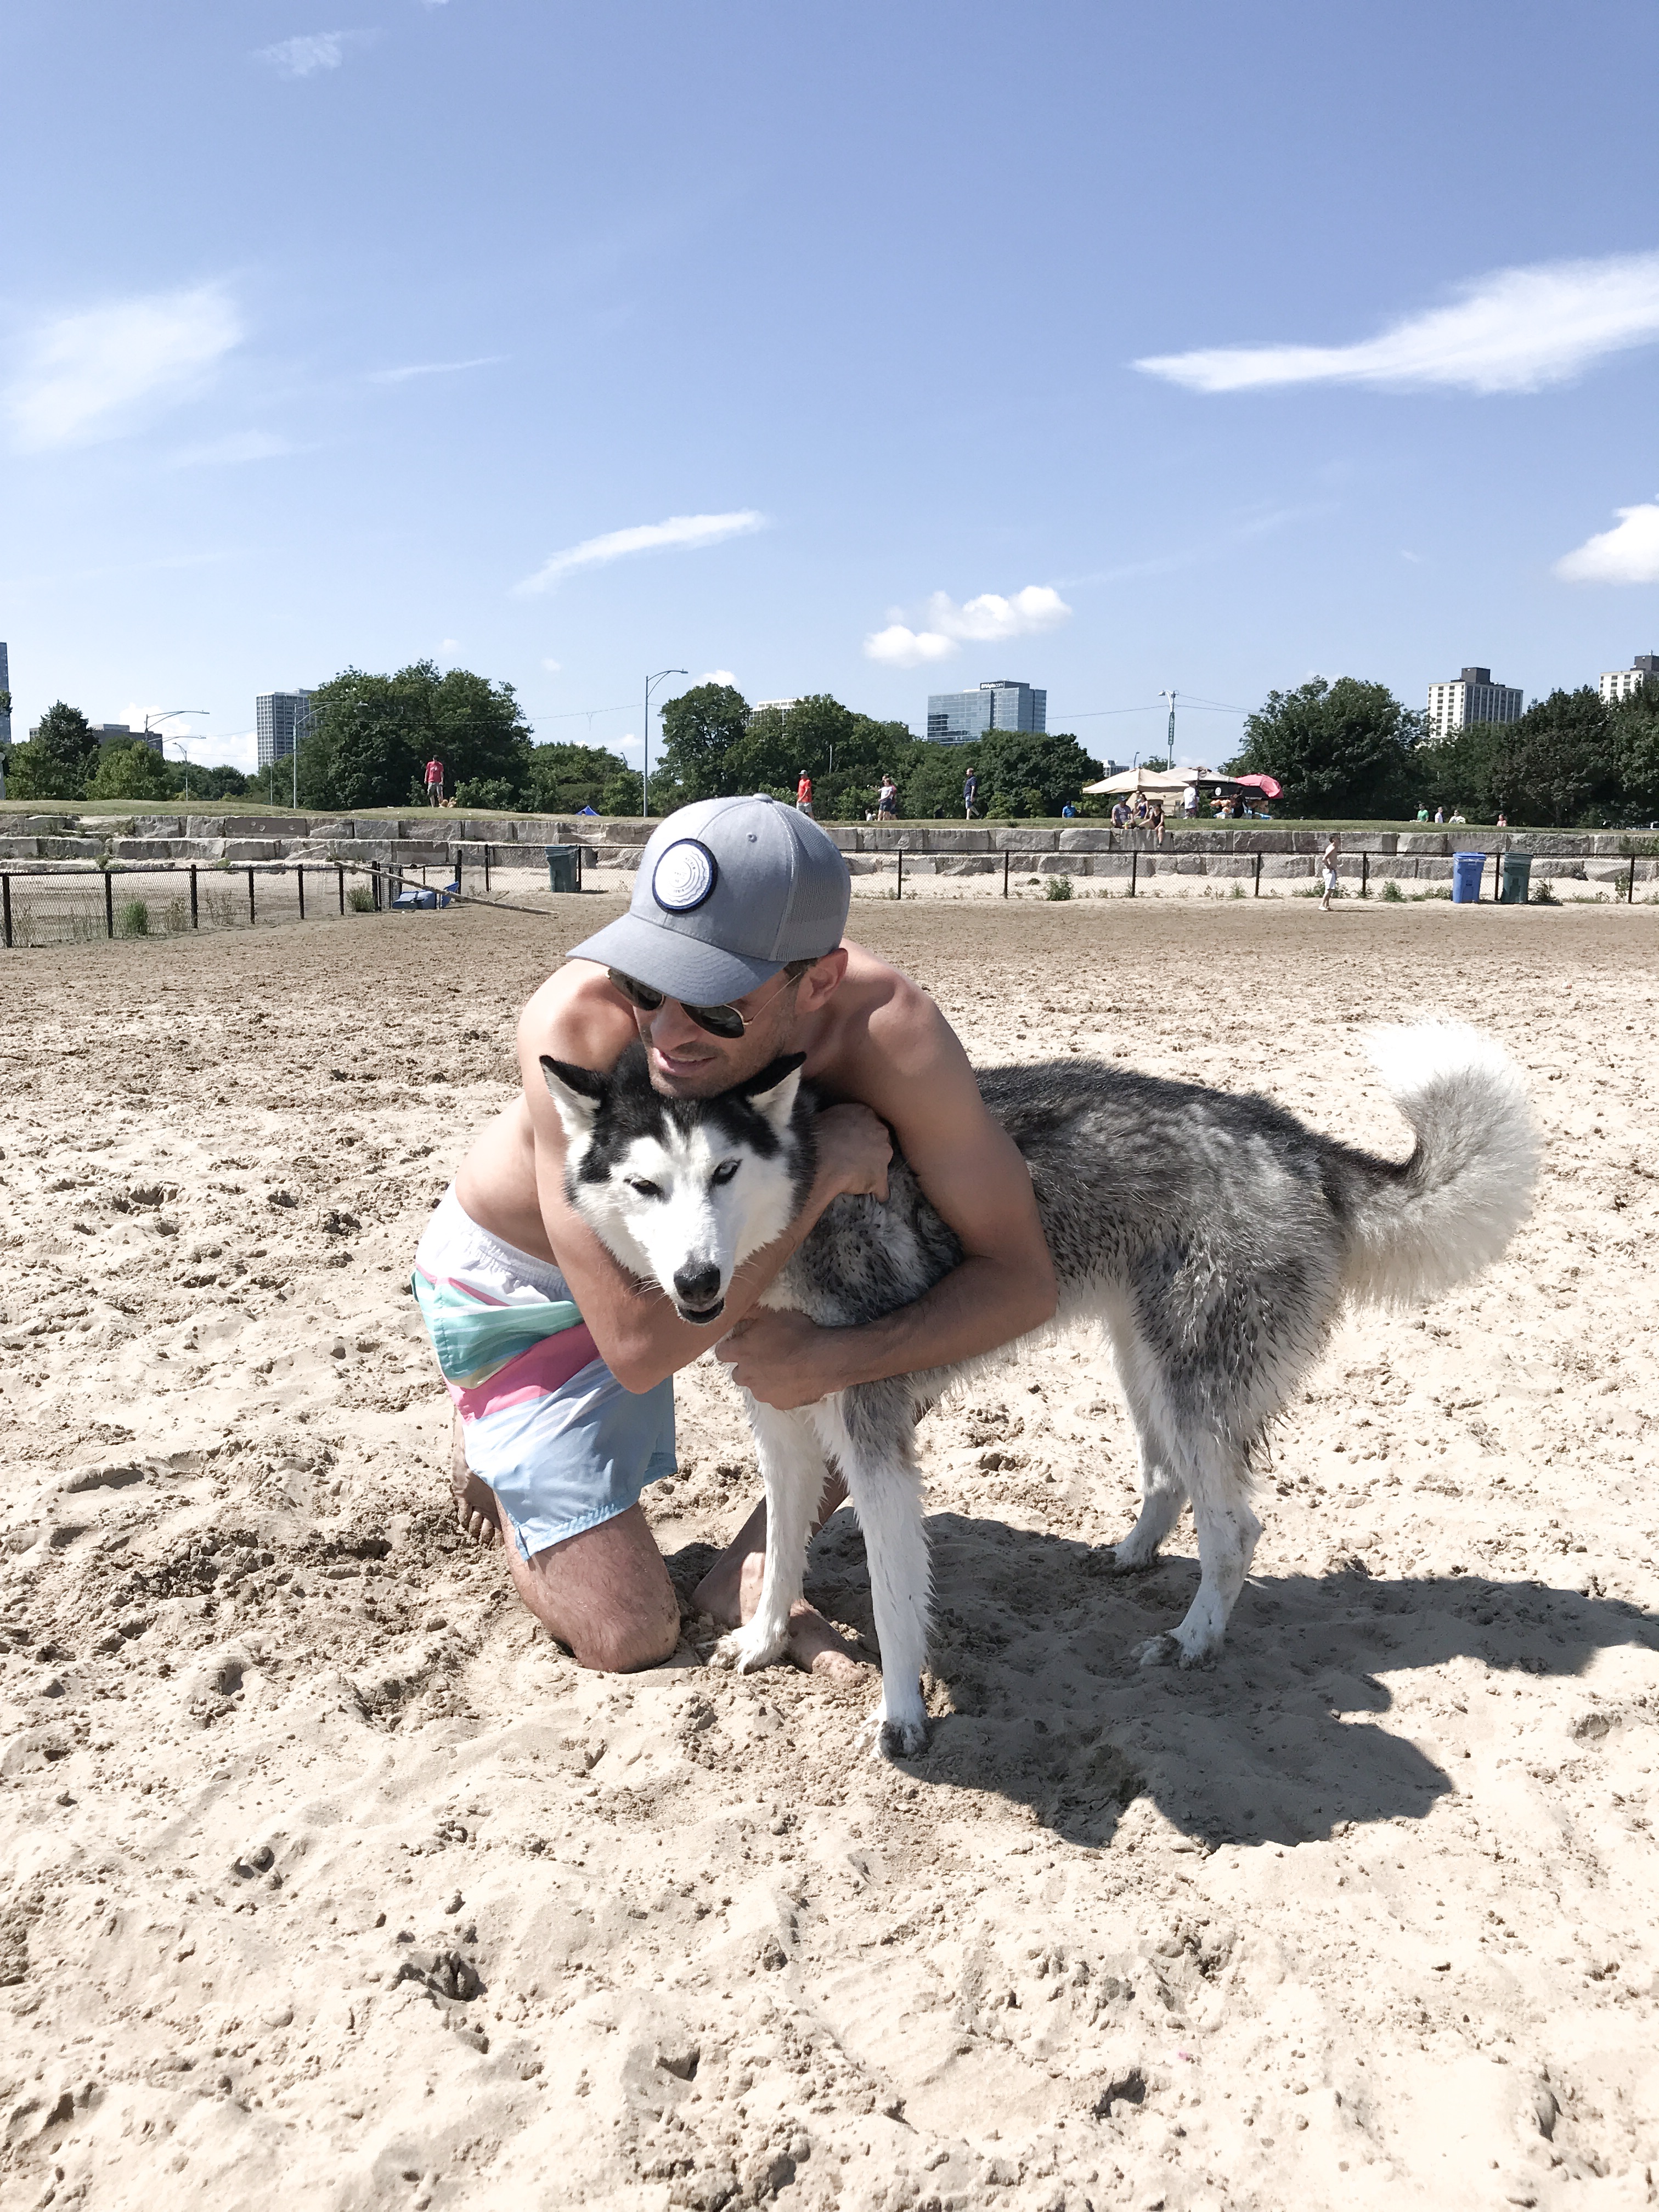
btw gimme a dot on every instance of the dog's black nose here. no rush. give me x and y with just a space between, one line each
697 1283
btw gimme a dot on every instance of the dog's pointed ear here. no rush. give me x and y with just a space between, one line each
578 1093
772 1092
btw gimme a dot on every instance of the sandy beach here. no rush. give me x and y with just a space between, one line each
328 1880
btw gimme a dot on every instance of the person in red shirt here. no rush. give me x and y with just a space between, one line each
434 783
803 793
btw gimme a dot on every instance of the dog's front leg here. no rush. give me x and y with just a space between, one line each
794 1472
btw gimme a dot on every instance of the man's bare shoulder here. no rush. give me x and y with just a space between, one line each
576 1015
886 1033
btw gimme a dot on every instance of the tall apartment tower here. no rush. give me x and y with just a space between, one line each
5 685
956 718
284 717
1617 683
1474 698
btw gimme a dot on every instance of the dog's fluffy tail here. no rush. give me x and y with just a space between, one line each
1422 1228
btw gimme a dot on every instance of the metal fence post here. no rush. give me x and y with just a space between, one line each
1256 892
250 898
339 873
194 922
486 867
1630 894
1134 868
5 906
899 893
300 878
1364 875
1006 857
458 867
109 904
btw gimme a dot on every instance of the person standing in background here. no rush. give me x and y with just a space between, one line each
970 794
434 783
887 800
1327 870
804 794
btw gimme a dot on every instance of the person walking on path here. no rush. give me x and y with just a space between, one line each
887 801
804 794
1327 869
434 783
970 794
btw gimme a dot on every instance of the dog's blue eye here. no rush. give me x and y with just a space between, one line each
725 1172
645 1190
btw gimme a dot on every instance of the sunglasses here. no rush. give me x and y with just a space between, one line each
719 1021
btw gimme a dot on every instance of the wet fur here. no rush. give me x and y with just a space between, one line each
1212 1237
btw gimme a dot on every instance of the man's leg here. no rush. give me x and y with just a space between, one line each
606 1593
730 1592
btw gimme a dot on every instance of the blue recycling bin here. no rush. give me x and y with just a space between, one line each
1468 868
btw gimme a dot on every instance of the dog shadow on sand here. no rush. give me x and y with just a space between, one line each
1033 1647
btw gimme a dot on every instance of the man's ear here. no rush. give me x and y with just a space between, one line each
772 1092
578 1093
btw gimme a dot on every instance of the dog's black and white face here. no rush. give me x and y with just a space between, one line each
681 1190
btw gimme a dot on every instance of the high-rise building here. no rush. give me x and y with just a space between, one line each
1617 683
956 718
5 685
1474 698
772 706
283 721
123 733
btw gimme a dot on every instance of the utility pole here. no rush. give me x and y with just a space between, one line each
1171 696
651 683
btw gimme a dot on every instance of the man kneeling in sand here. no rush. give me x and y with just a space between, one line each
560 1364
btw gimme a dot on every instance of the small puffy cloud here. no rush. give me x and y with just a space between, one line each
985 620
86 376
552 666
449 645
315 50
679 533
718 676
1514 330
1627 554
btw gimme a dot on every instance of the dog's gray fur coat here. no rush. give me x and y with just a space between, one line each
1212 1237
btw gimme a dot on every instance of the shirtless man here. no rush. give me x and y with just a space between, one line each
729 955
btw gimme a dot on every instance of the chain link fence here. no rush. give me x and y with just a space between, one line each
65 906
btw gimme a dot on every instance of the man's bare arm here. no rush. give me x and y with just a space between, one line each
914 1074
640 1337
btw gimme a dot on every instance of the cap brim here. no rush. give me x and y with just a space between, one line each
678 966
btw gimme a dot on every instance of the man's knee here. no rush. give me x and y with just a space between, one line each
623 1643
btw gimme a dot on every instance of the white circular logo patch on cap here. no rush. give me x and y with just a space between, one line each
683 878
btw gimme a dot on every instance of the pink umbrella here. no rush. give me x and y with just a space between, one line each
1268 785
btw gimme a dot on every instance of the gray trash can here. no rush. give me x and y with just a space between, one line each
564 867
1516 888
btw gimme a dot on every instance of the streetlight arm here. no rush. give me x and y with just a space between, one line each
651 683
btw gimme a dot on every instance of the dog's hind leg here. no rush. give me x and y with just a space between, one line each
885 1484
1218 1482
794 1472
1163 1491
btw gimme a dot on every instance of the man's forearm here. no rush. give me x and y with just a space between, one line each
982 1303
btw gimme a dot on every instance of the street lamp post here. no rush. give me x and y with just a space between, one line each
651 684
171 715
184 757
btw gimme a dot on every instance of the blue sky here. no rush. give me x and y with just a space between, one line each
865 349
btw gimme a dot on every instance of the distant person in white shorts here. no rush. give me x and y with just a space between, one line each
1328 862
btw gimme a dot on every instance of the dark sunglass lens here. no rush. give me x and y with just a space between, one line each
718 1021
637 994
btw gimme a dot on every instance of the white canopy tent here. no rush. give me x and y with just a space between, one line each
1157 783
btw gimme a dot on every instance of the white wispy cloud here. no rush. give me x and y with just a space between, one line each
432 368
718 676
315 50
238 445
552 666
1627 554
680 532
1516 330
88 375
983 621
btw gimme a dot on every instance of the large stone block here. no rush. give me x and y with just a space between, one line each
962 841
44 825
20 848
1263 840
1024 841
1431 841
240 850
1234 864
1091 839
967 863
1286 867
70 848
1115 864
1370 841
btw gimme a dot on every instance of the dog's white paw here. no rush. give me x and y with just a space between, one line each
1172 1650
744 1652
886 1737
1125 1559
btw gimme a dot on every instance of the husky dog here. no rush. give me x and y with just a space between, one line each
1212 1238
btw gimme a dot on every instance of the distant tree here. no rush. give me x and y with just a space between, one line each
1343 747
1025 773
370 736
1558 767
59 757
563 779
1636 744
704 731
219 782
132 771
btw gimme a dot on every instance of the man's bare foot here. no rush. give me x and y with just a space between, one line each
476 1511
730 1592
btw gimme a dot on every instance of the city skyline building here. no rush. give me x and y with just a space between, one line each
1617 683
1472 698
956 718
282 720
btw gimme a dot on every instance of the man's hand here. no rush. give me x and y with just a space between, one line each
784 1359
854 1147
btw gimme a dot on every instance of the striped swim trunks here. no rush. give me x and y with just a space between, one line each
549 1427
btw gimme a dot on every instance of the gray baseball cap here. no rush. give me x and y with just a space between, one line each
729 890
